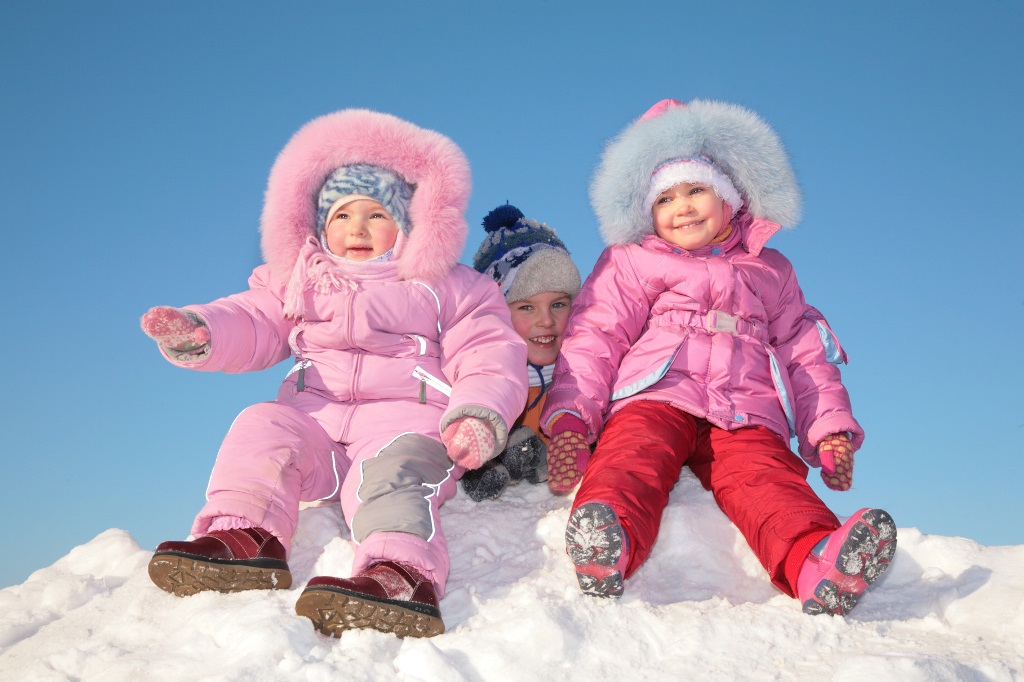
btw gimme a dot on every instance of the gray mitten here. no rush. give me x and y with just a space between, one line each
525 456
487 482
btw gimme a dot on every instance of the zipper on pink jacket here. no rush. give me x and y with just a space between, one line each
425 378
300 363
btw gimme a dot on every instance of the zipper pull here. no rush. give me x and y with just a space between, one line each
423 391
426 377
300 367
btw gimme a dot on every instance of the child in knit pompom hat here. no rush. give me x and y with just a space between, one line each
400 379
539 280
691 344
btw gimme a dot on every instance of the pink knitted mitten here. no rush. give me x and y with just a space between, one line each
176 329
568 452
470 442
836 453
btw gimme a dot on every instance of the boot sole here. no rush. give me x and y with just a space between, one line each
333 611
865 555
593 541
183 576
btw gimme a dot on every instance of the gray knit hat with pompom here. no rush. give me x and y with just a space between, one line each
524 257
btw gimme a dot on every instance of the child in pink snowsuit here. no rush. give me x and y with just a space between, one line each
691 344
402 378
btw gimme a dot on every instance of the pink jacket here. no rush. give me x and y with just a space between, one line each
359 332
387 339
723 333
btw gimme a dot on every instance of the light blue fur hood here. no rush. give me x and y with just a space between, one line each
739 142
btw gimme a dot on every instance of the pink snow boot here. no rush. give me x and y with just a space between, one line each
223 561
832 580
598 546
387 596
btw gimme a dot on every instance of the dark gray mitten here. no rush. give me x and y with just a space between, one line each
487 482
525 456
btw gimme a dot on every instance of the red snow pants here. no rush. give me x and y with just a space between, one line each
755 478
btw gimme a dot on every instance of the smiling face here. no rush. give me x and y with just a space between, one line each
689 215
540 320
360 230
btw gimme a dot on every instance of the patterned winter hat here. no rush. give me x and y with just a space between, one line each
524 257
364 180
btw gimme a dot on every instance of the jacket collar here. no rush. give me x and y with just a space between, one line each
750 233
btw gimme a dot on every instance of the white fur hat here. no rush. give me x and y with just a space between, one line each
740 147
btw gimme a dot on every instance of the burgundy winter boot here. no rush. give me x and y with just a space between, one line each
387 596
223 561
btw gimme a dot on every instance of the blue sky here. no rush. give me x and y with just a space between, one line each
136 139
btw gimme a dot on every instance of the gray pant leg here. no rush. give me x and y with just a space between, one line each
397 486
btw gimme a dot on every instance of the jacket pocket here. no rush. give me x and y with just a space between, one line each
648 380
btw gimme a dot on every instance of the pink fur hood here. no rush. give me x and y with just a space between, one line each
430 161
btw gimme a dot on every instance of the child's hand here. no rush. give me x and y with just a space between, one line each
525 456
568 452
836 453
470 442
179 330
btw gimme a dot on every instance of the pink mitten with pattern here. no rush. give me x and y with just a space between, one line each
470 442
568 452
176 329
836 453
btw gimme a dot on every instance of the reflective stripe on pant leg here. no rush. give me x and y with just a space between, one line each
634 467
272 457
762 487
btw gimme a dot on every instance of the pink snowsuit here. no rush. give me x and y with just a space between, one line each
722 334
377 346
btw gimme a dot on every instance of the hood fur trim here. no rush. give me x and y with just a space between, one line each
738 141
426 159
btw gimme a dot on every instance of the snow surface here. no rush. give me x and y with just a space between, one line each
701 608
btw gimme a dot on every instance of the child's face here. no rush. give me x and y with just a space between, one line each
360 230
540 320
689 215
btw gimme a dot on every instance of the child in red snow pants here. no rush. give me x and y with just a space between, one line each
755 478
